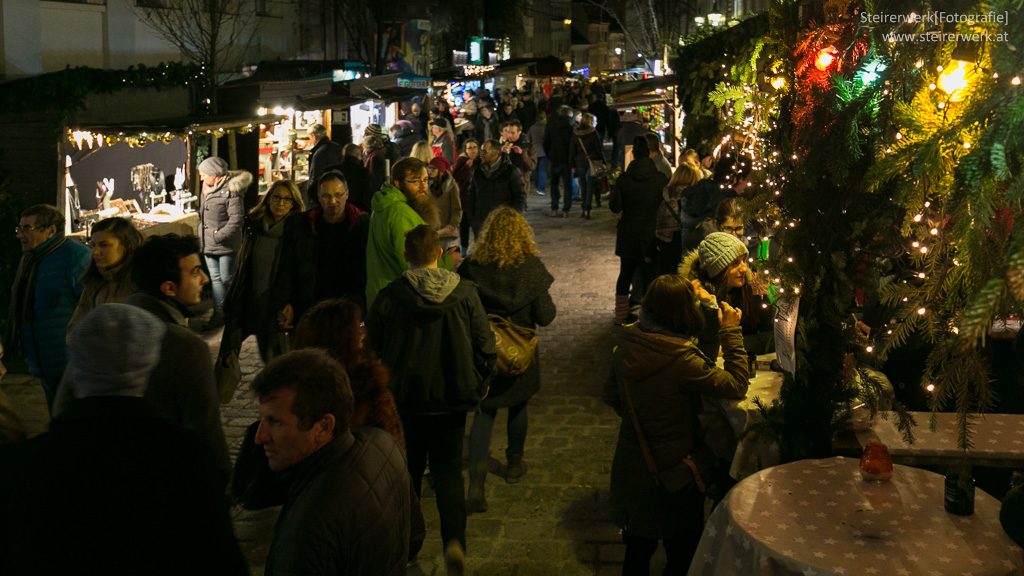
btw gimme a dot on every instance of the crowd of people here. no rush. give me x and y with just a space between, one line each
372 296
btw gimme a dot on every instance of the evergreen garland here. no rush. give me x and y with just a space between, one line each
869 150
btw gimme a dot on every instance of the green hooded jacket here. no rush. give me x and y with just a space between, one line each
391 219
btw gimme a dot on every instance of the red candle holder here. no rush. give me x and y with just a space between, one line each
875 462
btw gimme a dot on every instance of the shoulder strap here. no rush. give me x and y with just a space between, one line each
648 457
672 210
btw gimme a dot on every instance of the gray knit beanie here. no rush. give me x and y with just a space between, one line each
374 130
213 166
112 350
717 251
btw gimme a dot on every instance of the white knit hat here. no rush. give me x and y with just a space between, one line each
717 251
112 350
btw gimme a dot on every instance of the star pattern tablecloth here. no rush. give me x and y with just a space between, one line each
997 439
817 517
753 452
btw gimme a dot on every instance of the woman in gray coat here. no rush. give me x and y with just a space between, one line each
221 213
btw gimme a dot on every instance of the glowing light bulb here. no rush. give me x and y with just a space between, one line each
921 311
934 231
924 249
778 82
826 58
869 349
899 135
917 218
930 387
1015 81
954 79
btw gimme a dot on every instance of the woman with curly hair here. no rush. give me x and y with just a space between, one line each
336 326
513 283
109 277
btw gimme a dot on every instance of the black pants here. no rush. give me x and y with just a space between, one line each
439 437
679 550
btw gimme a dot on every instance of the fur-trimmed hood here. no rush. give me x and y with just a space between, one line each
691 262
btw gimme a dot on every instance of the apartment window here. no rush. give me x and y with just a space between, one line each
264 7
151 3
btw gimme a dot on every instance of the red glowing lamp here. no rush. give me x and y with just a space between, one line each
826 58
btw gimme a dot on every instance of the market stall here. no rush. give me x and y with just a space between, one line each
379 100
655 103
141 171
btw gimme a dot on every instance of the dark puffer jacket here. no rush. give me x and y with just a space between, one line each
222 213
347 510
519 293
503 187
637 195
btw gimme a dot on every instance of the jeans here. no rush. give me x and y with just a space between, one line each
588 187
483 423
439 437
540 176
222 270
561 175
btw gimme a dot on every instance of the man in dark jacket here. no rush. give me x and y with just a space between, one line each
181 386
496 182
357 176
486 126
46 290
112 487
323 254
557 139
431 331
347 508
323 154
520 150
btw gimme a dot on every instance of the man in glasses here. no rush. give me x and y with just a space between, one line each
46 289
323 253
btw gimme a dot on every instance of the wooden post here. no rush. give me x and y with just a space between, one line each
232 151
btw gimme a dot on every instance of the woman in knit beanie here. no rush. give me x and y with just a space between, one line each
720 265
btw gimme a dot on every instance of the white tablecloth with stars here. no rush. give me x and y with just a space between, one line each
996 440
817 517
753 452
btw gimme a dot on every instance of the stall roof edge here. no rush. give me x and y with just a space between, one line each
180 125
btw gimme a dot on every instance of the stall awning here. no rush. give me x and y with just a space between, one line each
636 88
289 92
181 125
640 101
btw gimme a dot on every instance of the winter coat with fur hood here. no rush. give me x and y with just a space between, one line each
222 213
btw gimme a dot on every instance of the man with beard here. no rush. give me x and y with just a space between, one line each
496 182
322 253
397 208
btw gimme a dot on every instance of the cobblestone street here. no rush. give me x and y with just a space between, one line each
555 521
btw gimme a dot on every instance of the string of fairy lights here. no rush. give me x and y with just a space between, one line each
748 134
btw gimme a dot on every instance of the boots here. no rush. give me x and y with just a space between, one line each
621 308
515 469
476 500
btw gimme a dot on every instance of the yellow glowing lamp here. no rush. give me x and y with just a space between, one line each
778 82
826 58
954 79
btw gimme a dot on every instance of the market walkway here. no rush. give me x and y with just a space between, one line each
555 520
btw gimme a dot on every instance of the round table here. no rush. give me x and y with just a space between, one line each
817 517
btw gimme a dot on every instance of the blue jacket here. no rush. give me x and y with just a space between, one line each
58 287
